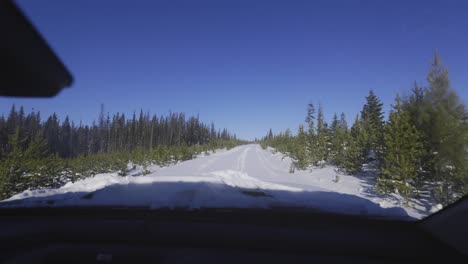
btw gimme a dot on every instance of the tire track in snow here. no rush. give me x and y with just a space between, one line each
263 162
240 166
244 155
215 158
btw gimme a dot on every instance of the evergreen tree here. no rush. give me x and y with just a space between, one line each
415 106
3 137
402 152
270 135
354 153
310 117
321 146
65 138
12 121
339 140
12 168
299 149
43 169
52 133
343 123
335 139
311 144
445 127
373 124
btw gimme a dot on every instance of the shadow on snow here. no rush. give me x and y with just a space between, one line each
192 195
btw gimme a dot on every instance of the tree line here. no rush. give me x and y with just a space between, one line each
47 154
424 141
108 134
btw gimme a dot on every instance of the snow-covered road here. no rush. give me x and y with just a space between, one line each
245 176
249 159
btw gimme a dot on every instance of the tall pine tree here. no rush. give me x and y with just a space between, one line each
321 146
402 152
299 153
446 131
372 124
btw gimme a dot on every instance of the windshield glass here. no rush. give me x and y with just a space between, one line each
353 107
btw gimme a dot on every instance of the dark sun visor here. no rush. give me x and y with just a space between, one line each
28 66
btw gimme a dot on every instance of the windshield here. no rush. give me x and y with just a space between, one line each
353 107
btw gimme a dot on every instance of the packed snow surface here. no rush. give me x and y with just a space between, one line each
243 177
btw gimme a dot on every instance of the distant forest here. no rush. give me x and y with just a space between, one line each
47 154
109 133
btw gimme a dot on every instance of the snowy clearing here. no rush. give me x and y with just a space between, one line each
243 177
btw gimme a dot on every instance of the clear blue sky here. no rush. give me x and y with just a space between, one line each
246 65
